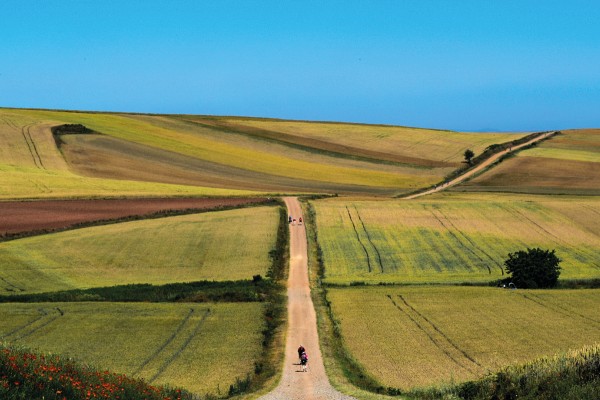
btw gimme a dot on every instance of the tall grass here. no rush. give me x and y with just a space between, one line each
573 375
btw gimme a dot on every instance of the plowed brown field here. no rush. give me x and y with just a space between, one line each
17 217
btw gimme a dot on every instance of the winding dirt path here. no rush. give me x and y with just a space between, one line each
302 327
481 166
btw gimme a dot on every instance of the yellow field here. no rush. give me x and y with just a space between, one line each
224 245
200 347
427 336
32 167
454 238
412 143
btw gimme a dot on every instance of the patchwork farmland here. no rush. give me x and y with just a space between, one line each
419 330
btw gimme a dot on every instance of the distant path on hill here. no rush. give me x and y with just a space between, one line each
478 168
302 327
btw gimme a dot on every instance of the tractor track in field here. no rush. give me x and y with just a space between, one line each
370 240
43 325
11 285
457 239
26 133
556 308
360 241
20 328
432 339
165 343
181 348
468 239
464 353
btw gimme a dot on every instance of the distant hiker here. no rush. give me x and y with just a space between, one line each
300 220
290 220
304 361
301 350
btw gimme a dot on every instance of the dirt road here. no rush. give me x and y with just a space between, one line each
481 166
302 327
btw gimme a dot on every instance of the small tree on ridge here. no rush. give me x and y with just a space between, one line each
469 156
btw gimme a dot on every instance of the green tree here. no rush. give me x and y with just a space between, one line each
534 268
469 156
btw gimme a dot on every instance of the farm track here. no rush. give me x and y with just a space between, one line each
485 164
442 342
302 328
185 344
359 240
370 240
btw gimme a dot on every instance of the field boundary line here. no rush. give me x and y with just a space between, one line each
464 353
360 241
176 354
369 239
165 343
429 336
460 242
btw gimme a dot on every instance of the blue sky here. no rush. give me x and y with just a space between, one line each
455 64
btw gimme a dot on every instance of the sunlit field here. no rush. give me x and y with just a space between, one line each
203 348
567 164
417 336
453 238
224 245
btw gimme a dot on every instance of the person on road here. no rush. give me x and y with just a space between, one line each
304 361
301 350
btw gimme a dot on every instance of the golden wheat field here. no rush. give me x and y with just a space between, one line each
417 336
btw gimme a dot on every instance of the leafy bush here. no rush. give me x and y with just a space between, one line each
534 268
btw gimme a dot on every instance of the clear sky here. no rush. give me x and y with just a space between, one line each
455 64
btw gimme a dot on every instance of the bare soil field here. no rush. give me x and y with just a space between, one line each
18 217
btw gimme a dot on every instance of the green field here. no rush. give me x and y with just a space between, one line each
200 347
224 245
407 337
567 164
453 238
